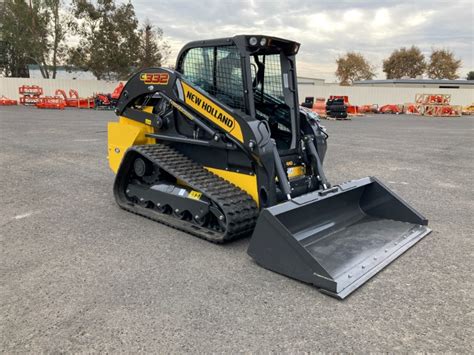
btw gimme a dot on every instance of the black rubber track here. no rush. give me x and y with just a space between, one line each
239 208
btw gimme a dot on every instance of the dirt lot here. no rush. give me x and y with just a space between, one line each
77 274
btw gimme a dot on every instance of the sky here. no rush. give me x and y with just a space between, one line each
325 29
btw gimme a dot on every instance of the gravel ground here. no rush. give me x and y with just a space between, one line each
78 274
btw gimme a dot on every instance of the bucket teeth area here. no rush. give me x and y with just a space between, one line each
337 241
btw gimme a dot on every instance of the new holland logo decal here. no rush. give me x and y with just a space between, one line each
211 111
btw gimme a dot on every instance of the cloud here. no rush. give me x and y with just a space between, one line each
325 29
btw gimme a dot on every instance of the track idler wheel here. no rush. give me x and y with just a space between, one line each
142 167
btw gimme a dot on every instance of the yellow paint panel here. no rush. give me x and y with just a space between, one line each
122 135
248 183
212 112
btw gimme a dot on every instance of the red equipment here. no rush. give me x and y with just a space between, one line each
61 92
29 100
33 90
433 99
108 101
442 110
80 102
74 100
437 105
73 94
374 108
105 100
319 106
413 109
117 91
5 101
51 102
30 94
396 109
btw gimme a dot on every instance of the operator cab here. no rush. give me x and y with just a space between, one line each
252 74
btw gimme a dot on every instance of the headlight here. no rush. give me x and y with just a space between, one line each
253 41
263 41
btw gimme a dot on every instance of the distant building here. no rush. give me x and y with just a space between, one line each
310 81
418 83
62 73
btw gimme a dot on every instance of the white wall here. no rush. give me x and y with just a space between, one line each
357 95
63 74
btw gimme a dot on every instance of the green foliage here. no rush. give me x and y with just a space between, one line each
152 49
59 26
352 67
33 32
404 62
470 75
108 38
112 46
443 65
25 34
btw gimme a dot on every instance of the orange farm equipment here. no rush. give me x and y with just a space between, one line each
74 100
108 101
371 108
117 91
51 102
436 105
413 109
81 102
433 99
103 102
30 94
396 109
33 90
5 101
442 110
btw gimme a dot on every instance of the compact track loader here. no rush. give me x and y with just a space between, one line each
219 148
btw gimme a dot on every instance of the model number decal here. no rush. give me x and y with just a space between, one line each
155 78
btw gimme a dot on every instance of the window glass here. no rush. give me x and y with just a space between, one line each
198 67
270 105
218 71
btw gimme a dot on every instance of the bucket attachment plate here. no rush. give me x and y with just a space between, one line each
338 238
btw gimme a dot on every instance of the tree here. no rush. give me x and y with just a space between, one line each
404 62
33 32
443 65
59 26
110 40
153 49
25 36
353 66
470 75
